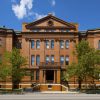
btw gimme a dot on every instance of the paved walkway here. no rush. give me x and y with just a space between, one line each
40 96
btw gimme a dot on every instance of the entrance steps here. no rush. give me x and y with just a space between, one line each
50 87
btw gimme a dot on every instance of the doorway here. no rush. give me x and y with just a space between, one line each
49 76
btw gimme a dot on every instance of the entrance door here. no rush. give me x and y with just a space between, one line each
49 76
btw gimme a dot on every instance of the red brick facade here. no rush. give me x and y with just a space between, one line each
46 59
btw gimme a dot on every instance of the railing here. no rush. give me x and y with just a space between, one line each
49 65
49 81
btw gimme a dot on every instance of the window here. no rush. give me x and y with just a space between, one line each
32 43
32 75
19 45
67 60
53 30
37 60
52 44
47 59
36 30
37 75
37 44
62 30
61 44
61 59
67 30
99 44
67 44
32 59
47 44
52 58
49 30
49 86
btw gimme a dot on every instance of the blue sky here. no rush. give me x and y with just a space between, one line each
84 12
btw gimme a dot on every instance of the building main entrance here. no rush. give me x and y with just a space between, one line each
50 76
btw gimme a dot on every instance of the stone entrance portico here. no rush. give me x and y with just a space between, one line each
49 73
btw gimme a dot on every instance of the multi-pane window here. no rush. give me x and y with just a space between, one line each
47 59
37 75
47 44
67 43
61 59
52 44
99 44
67 60
32 59
52 58
61 44
32 44
37 60
37 44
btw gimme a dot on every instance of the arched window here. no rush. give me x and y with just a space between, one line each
47 59
67 60
61 44
62 60
52 44
32 43
99 44
37 44
47 44
52 58
67 44
37 60
32 59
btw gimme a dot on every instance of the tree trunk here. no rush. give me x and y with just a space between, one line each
15 85
79 83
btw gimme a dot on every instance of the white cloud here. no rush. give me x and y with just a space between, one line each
38 16
23 9
53 2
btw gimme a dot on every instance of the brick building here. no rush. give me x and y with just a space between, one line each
48 44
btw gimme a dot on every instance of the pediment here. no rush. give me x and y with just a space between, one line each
50 21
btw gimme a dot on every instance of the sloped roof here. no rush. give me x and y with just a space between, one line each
50 16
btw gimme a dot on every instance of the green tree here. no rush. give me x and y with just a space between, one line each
87 65
17 63
5 71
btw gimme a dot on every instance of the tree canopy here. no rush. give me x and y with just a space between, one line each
88 64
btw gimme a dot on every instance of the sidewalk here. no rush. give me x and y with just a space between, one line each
54 92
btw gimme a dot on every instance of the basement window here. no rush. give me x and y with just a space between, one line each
49 86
